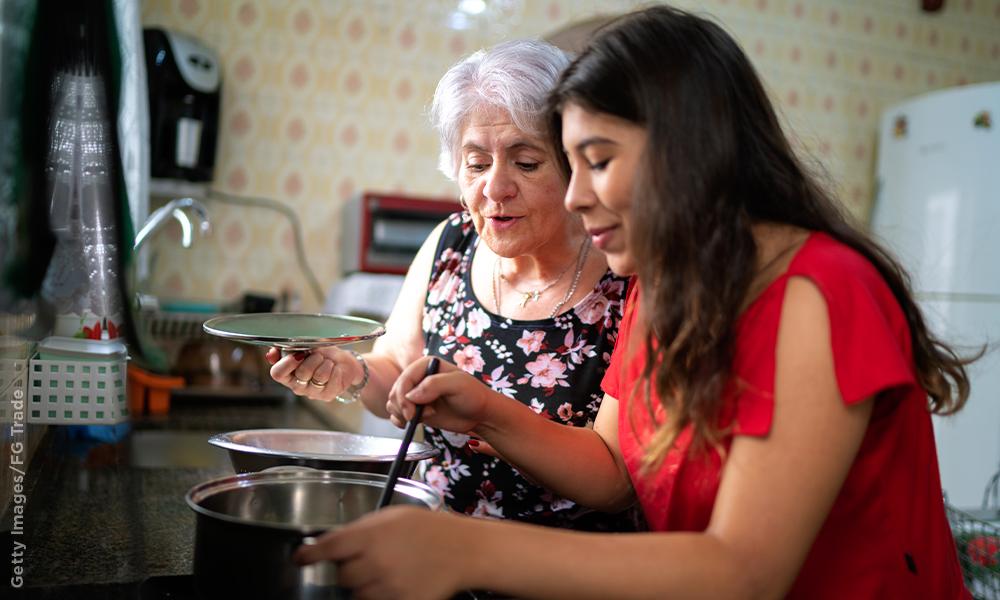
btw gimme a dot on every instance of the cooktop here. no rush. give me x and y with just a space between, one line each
181 587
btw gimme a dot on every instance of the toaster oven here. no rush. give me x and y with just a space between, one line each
381 233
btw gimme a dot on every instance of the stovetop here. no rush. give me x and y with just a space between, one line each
159 587
181 587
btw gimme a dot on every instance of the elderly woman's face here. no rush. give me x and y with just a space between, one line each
512 185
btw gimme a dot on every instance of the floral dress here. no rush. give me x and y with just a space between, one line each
554 366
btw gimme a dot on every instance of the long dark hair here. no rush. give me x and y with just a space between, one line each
717 162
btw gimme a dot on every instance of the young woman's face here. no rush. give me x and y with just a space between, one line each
605 153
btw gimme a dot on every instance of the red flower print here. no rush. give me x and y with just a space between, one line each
983 550
469 359
92 333
547 371
95 332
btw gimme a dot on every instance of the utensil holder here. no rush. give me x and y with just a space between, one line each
64 392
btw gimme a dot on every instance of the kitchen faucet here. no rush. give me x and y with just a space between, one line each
175 208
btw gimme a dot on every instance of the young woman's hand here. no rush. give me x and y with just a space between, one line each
377 558
453 399
322 374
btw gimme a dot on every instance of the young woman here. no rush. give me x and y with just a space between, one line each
770 395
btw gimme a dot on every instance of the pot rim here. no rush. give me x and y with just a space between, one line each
227 442
415 489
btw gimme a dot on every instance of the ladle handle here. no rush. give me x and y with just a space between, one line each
404 446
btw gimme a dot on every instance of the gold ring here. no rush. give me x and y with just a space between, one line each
318 384
301 382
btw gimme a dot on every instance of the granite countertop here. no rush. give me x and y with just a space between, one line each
102 516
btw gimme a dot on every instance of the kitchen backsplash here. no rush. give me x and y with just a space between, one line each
324 99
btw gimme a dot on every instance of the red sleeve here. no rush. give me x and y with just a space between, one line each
615 376
868 333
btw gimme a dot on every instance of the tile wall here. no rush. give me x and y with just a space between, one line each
325 99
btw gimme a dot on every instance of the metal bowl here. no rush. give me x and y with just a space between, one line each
248 526
258 449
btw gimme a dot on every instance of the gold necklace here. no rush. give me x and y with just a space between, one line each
531 295
576 279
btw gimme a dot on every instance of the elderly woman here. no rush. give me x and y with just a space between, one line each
509 290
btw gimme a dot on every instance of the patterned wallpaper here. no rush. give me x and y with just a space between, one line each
325 99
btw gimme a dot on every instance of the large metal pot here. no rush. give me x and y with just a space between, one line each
248 526
258 449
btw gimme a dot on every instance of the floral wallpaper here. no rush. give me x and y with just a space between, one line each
326 99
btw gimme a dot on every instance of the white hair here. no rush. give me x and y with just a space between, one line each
515 76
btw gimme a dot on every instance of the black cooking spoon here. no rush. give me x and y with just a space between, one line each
404 446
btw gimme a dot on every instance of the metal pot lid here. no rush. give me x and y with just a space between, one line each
317 444
294 331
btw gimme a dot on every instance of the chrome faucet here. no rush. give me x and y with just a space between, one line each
176 209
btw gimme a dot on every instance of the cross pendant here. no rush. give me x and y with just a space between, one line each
528 297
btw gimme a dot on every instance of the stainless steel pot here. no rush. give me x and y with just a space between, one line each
258 449
247 527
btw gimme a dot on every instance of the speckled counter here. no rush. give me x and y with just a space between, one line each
102 516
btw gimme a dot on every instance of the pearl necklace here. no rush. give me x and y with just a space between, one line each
529 296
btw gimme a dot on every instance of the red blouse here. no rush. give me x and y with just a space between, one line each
887 535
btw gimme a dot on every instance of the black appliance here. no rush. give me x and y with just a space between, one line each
184 80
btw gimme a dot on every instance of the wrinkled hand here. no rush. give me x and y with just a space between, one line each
399 552
322 374
453 399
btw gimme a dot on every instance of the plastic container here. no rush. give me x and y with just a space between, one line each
83 392
149 393
68 348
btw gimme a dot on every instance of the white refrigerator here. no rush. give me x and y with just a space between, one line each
938 207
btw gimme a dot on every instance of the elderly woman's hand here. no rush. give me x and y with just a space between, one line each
454 400
322 374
